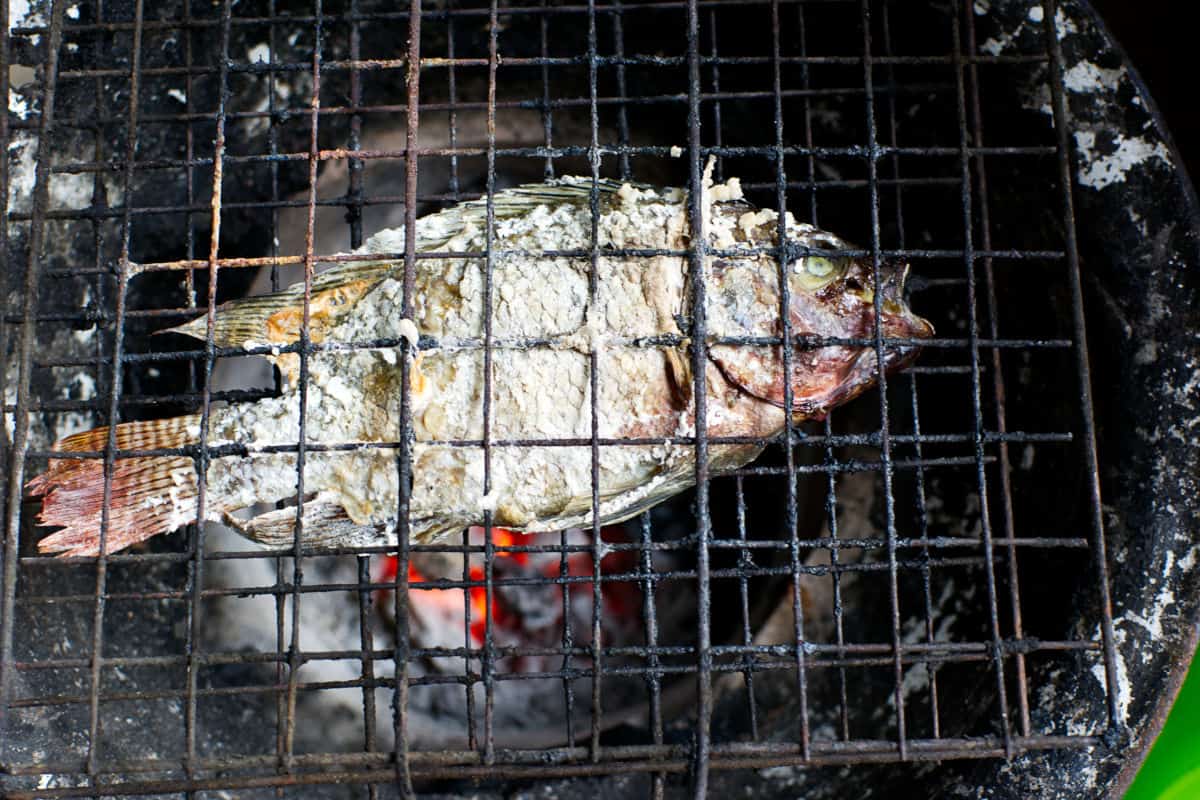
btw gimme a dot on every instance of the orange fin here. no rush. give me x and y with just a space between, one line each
149 495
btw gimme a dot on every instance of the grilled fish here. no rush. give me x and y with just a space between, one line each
511 434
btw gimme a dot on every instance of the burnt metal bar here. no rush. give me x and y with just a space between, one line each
885 445
7 283
295 658
489 554
999 392
835 544
404 466
785 320
1062 129
594 159
273 137
469 12
618 60
673 575
830 459
451 113
745 563
524 343
985 520
455 195
828 752
354 165
25 344
770 658
653 675
931 667
568 632
850 153
202 457
195 565
354 211
1016 437
8 548
719 169
622 90
110 445
699 330
546 109
256 262
832 654
817 543
926 558
647 759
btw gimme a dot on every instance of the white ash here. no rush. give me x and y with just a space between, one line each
17 104
259 53
527 712
1100 171
67 190
1085 77
22 14
68 383
1124 690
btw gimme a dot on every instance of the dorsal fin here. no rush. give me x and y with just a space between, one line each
275 318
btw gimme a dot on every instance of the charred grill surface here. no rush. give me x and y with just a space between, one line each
920 575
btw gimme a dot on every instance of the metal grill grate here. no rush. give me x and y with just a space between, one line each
170 209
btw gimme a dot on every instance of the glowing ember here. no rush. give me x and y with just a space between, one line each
523 613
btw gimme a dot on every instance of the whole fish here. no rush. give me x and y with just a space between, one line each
546 322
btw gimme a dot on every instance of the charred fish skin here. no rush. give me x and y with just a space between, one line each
545 325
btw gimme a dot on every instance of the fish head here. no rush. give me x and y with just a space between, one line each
833 303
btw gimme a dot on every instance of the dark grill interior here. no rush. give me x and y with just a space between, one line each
885 585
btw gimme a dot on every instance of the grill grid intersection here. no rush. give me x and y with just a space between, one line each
792 168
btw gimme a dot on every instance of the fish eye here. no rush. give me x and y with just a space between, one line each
817 272
819 267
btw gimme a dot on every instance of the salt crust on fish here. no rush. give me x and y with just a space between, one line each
568 315
538 393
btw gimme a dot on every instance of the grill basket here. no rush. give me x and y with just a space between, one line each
921 577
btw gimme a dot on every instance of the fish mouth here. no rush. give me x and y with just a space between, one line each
903 333
898 319
896 315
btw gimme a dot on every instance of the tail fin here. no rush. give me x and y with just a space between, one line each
149 494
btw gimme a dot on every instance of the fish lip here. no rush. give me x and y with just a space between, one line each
927 331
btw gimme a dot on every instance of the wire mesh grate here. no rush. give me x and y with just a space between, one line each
850 591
